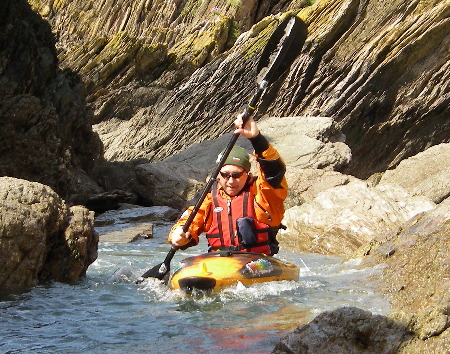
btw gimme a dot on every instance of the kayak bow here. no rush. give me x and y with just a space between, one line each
217 270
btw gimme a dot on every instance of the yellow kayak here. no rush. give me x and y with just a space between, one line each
216 270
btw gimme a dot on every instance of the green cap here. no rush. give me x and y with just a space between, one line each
238 157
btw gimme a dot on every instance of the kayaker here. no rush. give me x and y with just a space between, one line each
242 212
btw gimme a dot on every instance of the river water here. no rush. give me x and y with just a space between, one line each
108 313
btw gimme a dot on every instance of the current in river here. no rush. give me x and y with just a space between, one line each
106 312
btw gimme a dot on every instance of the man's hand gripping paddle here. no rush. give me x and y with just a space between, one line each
285 42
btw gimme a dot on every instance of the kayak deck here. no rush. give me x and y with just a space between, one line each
217 270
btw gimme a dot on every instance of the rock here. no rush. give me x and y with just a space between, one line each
127 234
306 184
381 72
70 256
203 156
417 272
172 184
46 133
345 330
131 223
387 92
41 238
161 83
163 78
102 202
415 277
136 213
352 330
432 321
307 142
427 173
341 219
176 180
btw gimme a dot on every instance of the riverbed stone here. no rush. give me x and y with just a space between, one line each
129 213
131 233
132 223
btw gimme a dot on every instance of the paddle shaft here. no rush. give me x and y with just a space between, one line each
248 112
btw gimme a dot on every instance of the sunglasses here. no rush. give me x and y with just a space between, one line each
235 175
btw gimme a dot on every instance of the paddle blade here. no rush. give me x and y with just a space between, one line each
284 45
158 272
162 269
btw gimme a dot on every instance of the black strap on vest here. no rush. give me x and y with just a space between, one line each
219 217
245 203
239 247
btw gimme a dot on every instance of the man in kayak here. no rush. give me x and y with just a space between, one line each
242 212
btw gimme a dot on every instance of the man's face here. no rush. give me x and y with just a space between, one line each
232 179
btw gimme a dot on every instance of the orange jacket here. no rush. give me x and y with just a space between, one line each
269 199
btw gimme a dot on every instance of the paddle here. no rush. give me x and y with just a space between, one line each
290 35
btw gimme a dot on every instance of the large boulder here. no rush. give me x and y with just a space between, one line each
427 173
42 238
316 144
415 277
336 213
418 269
306 184
345 330
341 219
307 142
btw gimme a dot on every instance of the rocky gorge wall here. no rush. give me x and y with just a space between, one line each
161 76
164 75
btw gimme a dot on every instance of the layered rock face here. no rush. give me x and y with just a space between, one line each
162 76
379 69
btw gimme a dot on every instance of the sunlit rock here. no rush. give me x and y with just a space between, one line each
42 238
341 219
427 173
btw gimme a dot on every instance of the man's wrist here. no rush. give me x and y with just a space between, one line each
259 143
